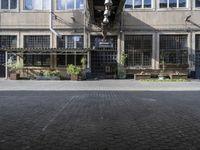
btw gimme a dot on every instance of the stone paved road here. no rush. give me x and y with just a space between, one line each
101 120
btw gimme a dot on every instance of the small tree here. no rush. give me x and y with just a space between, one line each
83 62
123 58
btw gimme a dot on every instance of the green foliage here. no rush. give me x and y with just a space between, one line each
50 73
84 62
123 58
16 66
73 70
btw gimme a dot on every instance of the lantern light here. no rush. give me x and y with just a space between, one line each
108 3
105 20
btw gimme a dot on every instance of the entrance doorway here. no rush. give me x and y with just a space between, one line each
197 64
104 56
2 64
104 64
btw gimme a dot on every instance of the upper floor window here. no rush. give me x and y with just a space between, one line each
8 41
131 4
71 41
70 4
8 4
173 3
36 4
197 3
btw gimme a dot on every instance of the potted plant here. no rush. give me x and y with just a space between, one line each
162 75
84 67
15 70
121 67
74 72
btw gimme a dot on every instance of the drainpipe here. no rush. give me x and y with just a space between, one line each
51 20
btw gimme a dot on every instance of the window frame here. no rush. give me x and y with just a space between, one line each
141 50
174 51
9 4
33 56
145 8
33 10
177 6
195 5
66 9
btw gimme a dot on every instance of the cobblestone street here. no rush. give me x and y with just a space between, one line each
99 120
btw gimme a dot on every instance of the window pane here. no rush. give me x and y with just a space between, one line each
69 42
79 4
13 4
147 3
70 59
37 4
182 3
129 4
60 4
79 41
163 3
197 3
172 3
138 4
70 4
28 5
61 60
4 4
46 4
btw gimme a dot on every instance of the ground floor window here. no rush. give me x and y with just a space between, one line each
37 60
139 50
173 49
69 58
8 41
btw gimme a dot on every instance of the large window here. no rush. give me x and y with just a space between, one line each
36 4
139 50
70 4
197 3
130 4
7 41
173 3
70 42
8 4
173 49
37 42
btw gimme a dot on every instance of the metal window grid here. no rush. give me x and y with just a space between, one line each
173 49
139 50
41 41
7 41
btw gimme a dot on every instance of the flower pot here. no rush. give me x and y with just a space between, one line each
14 76
75 77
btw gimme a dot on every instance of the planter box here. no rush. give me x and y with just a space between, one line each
75 77
14 76
47 78
179 76
142 76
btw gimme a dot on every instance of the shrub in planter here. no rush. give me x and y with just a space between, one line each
83 67
74 71
121 68
15 70
49 75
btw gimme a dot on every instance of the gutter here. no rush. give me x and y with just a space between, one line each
51 20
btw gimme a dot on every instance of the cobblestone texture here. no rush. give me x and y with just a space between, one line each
101 120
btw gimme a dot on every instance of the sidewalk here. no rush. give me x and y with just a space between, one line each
98 85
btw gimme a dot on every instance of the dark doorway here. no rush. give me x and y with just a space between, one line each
104 56
197 57
2 64
197 64
104 64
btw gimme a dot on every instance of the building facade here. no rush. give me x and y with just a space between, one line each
150 32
